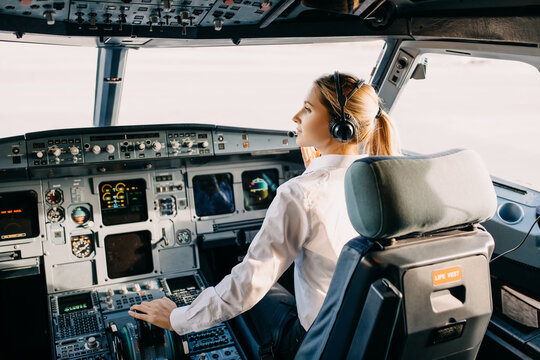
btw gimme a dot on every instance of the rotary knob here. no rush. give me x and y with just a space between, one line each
123 290
109 300
136 287
204 144
92 342
39 154
110 292
74 150
156 146
96 149
56 152
109 148
188 143
175 144
141 146
149 285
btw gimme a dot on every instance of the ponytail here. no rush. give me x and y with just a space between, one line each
383 140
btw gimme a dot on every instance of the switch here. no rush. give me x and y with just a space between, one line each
141 146
39 154
156 146
109 148
49 16
74 150
96 149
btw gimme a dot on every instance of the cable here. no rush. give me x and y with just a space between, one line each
519 245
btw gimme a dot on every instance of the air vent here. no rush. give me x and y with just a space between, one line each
511 188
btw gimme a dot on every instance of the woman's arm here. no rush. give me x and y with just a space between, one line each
272 251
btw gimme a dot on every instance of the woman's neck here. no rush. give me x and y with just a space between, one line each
339 149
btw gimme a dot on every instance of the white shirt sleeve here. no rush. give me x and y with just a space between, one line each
279 241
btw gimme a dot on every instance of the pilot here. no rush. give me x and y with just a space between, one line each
306 223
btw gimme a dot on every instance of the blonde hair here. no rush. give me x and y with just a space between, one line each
376 134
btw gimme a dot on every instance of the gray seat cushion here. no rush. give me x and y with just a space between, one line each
392 196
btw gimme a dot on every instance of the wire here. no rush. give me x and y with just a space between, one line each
519 245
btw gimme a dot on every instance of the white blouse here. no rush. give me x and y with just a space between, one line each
307 222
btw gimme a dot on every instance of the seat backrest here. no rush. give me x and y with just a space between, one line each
415 283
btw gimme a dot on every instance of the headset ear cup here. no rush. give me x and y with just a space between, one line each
343 130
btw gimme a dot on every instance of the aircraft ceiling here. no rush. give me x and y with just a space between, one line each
177 23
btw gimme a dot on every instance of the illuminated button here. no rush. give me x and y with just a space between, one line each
246 144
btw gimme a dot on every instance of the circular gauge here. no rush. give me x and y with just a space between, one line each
183 236
120 187
55 214
81 246
54 196
80 215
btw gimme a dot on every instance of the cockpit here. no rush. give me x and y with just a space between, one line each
144 142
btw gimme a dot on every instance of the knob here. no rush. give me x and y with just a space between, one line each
57 152
96 149
136 287
74 150
110 292
188 143
92 343
57 160
109 148
141 146
39 154
108 300
175 144
156 146
204 144
149 285
123 290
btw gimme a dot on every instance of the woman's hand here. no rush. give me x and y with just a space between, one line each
156 312
308 154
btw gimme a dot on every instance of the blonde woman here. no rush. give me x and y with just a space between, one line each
307 223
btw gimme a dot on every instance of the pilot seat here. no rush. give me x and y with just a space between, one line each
415 283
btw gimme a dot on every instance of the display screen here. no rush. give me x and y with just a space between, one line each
259 188
123 202
18 215
182 283
128 254
72 303
213 194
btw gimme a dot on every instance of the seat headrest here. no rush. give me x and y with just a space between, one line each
392 196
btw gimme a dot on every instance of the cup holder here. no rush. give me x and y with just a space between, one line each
510 213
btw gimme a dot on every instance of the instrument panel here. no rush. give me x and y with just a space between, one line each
124 225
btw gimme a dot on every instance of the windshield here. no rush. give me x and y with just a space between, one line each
247 86
45 87
488 105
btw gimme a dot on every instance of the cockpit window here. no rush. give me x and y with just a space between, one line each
248 86
45 87
490 106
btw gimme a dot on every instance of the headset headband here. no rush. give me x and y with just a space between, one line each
342 100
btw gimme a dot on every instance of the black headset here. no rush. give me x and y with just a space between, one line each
342 125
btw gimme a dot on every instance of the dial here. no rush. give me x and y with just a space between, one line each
82 246
54 196
56 214
80 215
183 236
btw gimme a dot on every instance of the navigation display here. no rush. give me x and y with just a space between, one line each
128 254
213 194
259 188
123 202
72 303
18 215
